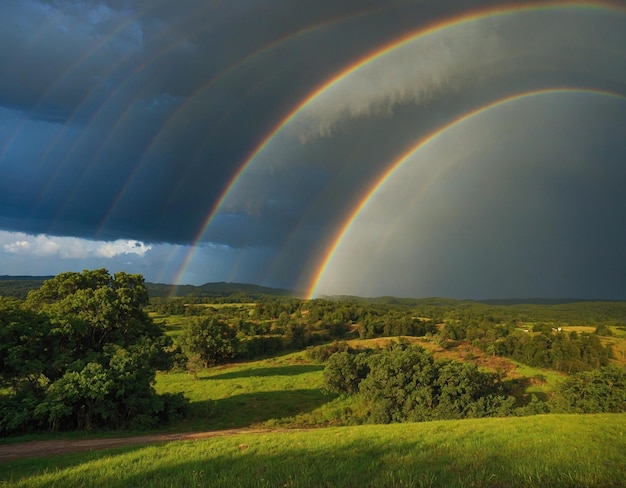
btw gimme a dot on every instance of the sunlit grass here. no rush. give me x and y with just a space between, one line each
550 450
541 380
248 394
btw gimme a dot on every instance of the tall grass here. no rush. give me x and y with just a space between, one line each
546 451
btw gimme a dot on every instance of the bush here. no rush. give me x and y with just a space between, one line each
323 352
344 372
404 383
603 330
596 391
259 346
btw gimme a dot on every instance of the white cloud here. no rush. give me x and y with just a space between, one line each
17 246
43 255
110 249
69 247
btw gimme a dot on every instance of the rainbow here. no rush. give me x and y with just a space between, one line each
192 99
336 241
371 57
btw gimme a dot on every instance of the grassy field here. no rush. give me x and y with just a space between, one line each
546 451
249 394
285 392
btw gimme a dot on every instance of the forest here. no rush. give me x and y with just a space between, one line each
83 351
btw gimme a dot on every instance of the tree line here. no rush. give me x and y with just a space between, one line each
81 351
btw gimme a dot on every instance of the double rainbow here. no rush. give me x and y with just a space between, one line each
372 57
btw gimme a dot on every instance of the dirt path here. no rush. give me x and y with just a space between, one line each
11 452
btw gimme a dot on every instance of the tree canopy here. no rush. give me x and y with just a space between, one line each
81 352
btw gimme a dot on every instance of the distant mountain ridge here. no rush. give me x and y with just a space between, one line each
25 278
218 289
19 286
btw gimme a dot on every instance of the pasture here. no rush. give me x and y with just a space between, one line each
313 438
547 451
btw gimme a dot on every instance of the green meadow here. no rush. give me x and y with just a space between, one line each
284 394
313 438
253 394
546 451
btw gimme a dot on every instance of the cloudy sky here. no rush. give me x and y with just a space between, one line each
469 149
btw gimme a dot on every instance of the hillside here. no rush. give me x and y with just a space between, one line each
547 451
19 286
218 289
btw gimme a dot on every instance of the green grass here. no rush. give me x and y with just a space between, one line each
174 324
547 451
248 394
548 379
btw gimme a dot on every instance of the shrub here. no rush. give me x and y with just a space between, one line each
596 391
344 372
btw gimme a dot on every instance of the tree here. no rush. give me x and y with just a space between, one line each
405 383
344 371
598 390
210 340
603 330
82 353
297 335
400 385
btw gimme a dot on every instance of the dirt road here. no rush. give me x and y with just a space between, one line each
11 452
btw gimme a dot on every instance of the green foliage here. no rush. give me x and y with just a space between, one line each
297 335
406 384
325 351
19 286
81 353
599 390
209 339
603 330
564 352
252 347
344 372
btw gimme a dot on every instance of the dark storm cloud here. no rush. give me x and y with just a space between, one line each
127 119
109 76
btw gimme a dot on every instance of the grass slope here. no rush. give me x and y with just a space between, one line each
547 451
248 394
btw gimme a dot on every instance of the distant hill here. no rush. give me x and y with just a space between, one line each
19 286
219 289
540 301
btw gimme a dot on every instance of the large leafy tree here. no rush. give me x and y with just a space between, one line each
81 353
209 340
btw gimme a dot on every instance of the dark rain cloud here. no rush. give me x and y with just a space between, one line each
149 108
